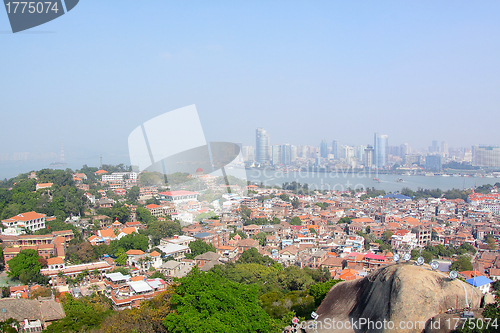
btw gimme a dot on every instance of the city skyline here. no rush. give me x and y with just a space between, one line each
333 71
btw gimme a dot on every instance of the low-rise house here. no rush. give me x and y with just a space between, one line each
481 282
42 186
19 292
175 269
175 251
227 252
288 255
126 231
125 293
176 239
33 315
31 221
207 260
141 261
246 244
107 235
90 273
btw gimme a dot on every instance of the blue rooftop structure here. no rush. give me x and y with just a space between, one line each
396 196
478 281
202 235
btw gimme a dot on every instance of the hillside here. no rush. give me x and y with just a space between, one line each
397 293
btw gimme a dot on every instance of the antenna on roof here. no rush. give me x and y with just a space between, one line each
100 165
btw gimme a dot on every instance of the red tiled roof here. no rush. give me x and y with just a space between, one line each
177 193
134 252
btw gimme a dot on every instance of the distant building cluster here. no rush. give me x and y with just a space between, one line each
378 155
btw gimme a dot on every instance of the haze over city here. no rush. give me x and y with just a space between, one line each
250 166
305 72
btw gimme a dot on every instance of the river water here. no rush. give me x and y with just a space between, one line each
341 181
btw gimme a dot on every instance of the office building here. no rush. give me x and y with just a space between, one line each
248 153
433 162
262 146
404 150
293 153
368 157
336 149
286 154
444 149
323 149
486 156
380 150
434 148
276 155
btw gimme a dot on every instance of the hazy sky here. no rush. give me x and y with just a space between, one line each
304 71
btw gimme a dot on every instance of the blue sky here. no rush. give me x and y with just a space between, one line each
304 71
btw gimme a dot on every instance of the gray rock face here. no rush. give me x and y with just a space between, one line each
399 297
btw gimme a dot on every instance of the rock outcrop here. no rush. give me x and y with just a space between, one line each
396 295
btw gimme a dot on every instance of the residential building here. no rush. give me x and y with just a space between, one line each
262 146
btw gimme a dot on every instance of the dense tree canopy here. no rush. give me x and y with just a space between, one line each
62 199
199 247
82 314
161 229
25 260
208 302
25 267
463 263
133 241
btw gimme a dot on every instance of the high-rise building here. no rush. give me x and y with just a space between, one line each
411 159
346 152
368 157
335 149
404 150
434 148
487 156
359 151
433 162
286 154
444 149
323 149
276 155
262 146
293 154
248 153
302 151
380 150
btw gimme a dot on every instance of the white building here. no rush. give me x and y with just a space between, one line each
120 176
29 221
405 243
178 197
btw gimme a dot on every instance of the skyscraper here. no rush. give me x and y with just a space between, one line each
286 154
444 149
262 146
487 156
276 155
380 147
434 148
359 151
433 162
335 149
248 153
293 154
368 157
324 149
404 150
